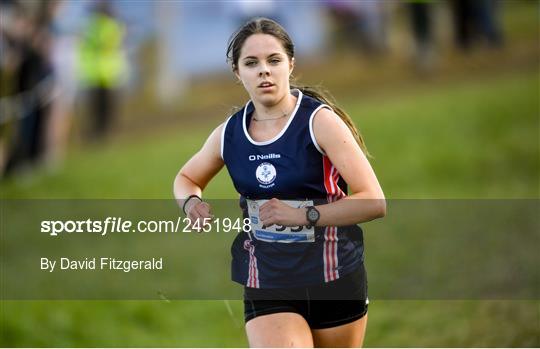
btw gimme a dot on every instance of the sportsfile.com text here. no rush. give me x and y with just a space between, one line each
120 225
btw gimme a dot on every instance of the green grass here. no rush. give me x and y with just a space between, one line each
122 324
453 324
469 139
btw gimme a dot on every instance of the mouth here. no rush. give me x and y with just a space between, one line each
265 84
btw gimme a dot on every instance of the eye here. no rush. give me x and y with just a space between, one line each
275 61
250 63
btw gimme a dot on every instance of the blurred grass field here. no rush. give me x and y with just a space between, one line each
475 138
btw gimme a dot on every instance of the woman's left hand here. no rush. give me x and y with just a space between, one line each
277 212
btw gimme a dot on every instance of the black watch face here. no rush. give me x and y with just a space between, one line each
313 215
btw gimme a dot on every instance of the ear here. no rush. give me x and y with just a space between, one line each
235 71
291 65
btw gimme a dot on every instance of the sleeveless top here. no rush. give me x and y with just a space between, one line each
290 167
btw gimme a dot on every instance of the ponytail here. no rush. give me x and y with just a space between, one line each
323 96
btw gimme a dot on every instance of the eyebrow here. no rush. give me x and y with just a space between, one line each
271 55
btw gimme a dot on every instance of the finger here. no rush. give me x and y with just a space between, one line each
198 210
194 213
265 215
268 222
203 211
269 204
193 221
190 208
196 220
193 216
266 210
206 210
197 224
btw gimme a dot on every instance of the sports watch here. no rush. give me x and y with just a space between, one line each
312 215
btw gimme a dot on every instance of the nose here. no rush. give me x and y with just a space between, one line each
264 70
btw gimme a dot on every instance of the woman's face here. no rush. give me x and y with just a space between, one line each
264 69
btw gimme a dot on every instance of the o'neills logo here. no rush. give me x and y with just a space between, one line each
264 157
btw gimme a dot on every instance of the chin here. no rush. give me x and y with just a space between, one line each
268 99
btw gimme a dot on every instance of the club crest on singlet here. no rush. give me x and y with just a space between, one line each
266 175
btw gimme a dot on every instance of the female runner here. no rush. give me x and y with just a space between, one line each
292 156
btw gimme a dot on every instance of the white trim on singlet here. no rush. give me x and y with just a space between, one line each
244 123
223 136
312 134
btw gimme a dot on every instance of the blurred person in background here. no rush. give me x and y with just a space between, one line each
29 77
9 60
420 14
362 24
474 21
101 66
301 263
63 59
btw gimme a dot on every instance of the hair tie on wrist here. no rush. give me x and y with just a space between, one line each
186 201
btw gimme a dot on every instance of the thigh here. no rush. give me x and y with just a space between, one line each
350 335
279 330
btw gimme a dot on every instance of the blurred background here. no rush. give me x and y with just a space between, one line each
107 99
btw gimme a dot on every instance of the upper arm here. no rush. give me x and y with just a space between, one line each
207 162
336 140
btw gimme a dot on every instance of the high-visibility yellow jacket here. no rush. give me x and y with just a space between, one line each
101 60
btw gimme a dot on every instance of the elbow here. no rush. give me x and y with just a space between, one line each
178 176
177 183
183 185
373 206
380 208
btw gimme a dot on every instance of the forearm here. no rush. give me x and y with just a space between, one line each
353 209
184 187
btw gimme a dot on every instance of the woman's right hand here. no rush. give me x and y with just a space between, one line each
199 213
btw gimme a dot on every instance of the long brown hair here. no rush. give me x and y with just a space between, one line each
261 25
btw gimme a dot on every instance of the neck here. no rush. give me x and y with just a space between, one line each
280 110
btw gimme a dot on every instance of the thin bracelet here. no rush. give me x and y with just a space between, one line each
186 201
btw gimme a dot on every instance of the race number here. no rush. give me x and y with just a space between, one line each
279 233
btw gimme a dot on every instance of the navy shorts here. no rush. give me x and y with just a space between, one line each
323 306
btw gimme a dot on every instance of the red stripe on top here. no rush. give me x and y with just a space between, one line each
334 193
329 249
340 194
327 166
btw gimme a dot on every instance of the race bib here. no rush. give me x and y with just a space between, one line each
279 233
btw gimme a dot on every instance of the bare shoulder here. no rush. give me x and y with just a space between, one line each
212 146
216 133
328 128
